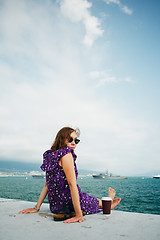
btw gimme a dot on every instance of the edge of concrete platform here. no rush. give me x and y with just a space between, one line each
40 225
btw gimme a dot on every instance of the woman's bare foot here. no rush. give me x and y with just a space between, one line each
115 203
111 193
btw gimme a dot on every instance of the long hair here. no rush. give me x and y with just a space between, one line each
62 135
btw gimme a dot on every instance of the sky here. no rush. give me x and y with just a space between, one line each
92 64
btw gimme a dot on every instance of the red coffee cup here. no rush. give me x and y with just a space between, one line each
106 204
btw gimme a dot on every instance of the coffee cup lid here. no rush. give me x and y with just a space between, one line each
107 198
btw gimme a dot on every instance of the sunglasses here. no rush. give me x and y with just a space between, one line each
76 140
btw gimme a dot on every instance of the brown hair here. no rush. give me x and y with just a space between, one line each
61 136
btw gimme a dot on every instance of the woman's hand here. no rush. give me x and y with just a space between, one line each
75 219
29 210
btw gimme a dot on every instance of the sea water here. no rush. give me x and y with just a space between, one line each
137 194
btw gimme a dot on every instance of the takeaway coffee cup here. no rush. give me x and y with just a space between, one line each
106 204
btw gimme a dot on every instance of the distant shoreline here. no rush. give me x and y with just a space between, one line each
23 167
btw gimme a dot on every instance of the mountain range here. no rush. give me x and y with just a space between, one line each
9 166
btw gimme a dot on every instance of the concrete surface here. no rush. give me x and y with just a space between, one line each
37 226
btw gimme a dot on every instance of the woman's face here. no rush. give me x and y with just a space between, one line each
72 144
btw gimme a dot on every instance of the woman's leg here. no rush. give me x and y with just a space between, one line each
116 201
111 194
100 203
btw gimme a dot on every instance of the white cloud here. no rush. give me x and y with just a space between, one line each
78 11
124 8
103 77
75 10
45 86
127 10
113 1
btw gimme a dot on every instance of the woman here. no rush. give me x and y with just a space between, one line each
64 195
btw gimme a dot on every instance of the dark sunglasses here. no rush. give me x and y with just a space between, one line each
76 140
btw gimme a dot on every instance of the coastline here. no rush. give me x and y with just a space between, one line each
138 195
118 225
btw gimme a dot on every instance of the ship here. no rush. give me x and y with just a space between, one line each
157 176
38 176
108 176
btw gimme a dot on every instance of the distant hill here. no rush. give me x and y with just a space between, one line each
148 174
6 166
20 166
86 171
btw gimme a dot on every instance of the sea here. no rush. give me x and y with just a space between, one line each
141 195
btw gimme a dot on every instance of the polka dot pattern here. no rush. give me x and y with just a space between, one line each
59 195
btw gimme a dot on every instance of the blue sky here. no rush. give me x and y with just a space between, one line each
87 64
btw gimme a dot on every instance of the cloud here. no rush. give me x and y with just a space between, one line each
123 8
45 85
78 11
127 10
113 1
103 77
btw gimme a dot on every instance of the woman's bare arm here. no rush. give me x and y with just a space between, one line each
39 202
67 163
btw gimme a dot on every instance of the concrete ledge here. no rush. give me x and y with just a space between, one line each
119 225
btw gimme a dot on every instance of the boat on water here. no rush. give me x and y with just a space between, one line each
108 176
38 176
157 176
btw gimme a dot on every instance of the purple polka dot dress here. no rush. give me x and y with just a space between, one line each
59 195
